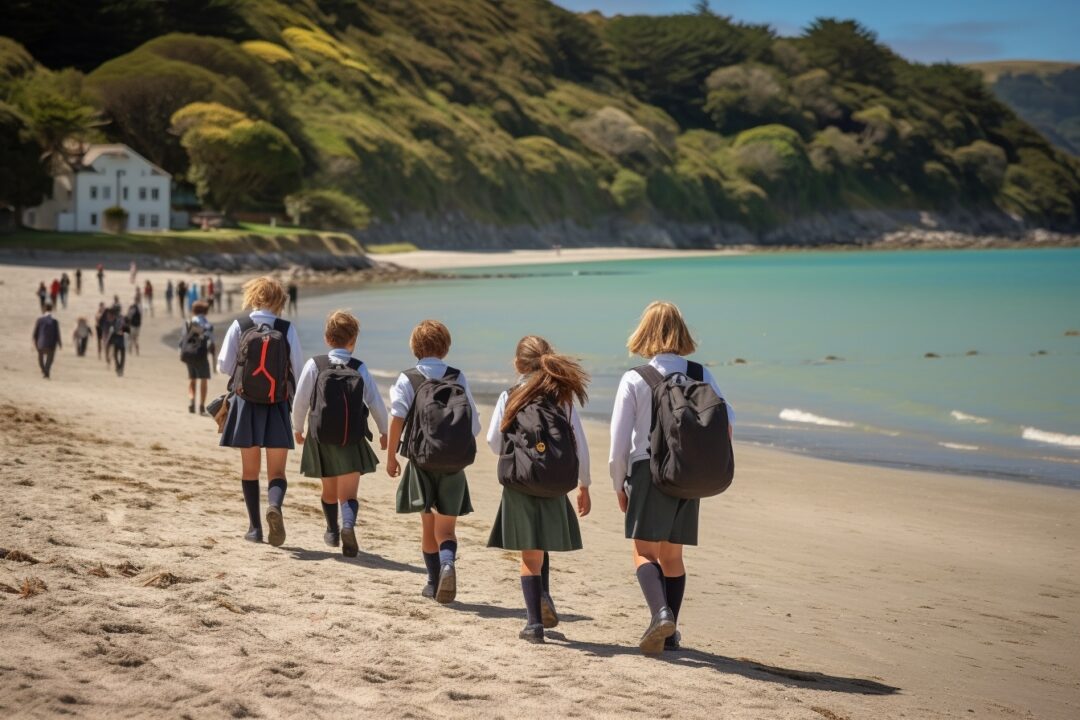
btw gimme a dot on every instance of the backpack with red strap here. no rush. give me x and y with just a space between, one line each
263 373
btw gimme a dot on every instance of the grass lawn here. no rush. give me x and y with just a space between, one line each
390 248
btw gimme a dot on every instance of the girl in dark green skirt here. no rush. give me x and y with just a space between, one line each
659 524
338 465
535 525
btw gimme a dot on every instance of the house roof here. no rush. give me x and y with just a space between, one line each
93 152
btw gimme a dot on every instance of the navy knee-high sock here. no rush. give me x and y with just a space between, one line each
431 561
349 510
275 495
531 588
447 551
251 500
545 574
674 589
329 510
651 579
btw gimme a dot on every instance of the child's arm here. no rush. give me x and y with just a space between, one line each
373 399
584 501
494 433
623 416
730 410
393 469
472 403
302 399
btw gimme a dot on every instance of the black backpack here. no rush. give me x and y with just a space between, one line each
438 434
263 372
539 452
134 316
689 442
338 413
195 343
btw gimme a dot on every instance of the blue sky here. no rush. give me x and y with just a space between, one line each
922 30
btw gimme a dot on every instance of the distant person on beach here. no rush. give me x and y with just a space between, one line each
210 292
439 442
181 296
134 321
46 339
334 396
100 327
78 281
148 296
134 271
43 296
543 455
65 284
118 328
193 295
196 348
661 522
54 291
101 278
169 296
81 336
262 355
293 292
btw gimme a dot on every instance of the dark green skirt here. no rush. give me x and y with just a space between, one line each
322 460
651 515
525 522
423 491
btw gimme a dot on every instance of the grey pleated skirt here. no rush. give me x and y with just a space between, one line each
325 460
526 522
651 515
257 425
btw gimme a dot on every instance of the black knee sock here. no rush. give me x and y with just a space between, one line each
674 588
431 561
651 579
251 499
531 587
349 509
329 510
545 573
275 495
447 551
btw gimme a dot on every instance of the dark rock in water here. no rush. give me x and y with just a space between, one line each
1040 352
1072 333
834 358
738 361
970 353
931 355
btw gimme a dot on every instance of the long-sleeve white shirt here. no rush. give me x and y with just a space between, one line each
305 391
495 438
632 416
230 346
402 393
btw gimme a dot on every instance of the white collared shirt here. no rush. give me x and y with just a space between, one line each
495 438
231 344
632 416
402 393
305 391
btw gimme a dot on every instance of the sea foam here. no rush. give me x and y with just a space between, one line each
958 446
1051 438
799 416
965 418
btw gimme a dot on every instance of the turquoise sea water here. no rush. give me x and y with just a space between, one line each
1012 409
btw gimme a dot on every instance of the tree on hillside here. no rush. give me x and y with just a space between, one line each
234 159
849 51
326 210
23 180
62 120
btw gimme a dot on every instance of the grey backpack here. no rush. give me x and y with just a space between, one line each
539 452
689 442
438 433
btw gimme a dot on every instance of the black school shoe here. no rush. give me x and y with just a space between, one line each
673 643
191 407
332 538
532 633
660 629
277 526
447 589
548 616
428 591
349 546
254 535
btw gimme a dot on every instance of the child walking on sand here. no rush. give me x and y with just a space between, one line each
659 480
542 456
334 397
81 336
261 353
432 407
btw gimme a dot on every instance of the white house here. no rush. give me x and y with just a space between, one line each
106 176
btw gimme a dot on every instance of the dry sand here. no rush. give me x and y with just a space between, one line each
452 259
820 590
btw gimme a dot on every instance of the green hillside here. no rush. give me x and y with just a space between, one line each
517 112
1046 94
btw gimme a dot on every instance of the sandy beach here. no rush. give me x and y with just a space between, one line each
820 589
451 259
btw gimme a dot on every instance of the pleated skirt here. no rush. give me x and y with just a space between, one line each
651 515
423 491
324 460
257 425
525 522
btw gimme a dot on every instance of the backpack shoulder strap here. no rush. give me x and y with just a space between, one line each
245 324
354 364
416 378
451 374
695 371
322 362
650 374
282 326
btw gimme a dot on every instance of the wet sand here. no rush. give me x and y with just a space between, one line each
820 590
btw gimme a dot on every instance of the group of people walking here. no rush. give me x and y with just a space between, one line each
670 446
210 291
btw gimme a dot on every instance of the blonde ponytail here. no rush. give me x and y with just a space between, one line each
559 377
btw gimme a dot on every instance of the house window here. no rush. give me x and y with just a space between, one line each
93 192
154 220
153 193
142 193
124 193
106 192
93 219
142 220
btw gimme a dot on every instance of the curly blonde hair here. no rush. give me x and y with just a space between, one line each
264 293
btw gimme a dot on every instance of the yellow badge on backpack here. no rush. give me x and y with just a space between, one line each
541 447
